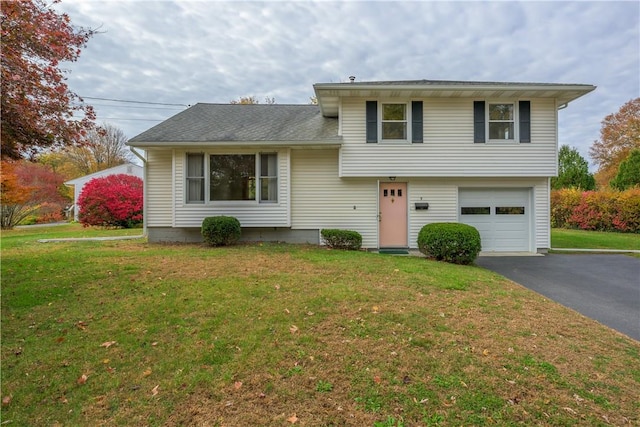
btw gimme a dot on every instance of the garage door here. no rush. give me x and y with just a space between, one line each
502 216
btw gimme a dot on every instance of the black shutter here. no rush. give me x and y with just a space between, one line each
478 122
525 121
416 121
372 121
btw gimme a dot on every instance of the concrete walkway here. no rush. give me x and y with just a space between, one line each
598 251
89 239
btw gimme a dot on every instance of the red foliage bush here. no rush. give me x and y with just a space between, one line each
563 202
606 210
114 200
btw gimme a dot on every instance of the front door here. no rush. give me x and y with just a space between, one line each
393 214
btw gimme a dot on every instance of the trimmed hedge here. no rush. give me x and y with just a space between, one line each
450 242
606 210
342 239
220 230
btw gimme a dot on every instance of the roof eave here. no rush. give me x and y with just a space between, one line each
329 94
330 143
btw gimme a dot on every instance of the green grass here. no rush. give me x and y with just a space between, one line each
131 333
581 239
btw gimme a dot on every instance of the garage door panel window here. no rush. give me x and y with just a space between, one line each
509 210
484 210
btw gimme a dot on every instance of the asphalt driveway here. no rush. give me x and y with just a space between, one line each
603 287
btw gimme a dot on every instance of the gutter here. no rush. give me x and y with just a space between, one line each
144 190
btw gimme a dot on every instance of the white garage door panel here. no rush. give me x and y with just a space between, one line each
508 231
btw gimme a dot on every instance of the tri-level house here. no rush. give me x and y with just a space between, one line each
383 158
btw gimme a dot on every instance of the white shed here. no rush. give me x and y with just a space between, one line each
79 183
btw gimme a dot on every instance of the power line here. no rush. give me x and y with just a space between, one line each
132 106
135 102
137 120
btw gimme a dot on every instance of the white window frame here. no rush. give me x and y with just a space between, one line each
188 178
258 179
515 121
407 121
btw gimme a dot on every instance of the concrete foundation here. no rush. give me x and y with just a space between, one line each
269 234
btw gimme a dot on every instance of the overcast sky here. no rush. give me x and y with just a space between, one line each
185 52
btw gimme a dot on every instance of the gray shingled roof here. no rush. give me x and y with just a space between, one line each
204 123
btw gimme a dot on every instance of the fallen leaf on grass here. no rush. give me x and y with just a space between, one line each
293 329
293 419
155 390
146 373
107 344
237 385
6 400
377 379
81 325
83 379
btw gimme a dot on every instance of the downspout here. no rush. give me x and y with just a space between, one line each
144 189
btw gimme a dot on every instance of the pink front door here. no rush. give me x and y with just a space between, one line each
393 214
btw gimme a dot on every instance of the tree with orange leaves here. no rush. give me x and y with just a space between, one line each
37 105
30 189
620 133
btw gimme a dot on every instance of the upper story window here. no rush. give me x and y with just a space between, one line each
232 177
501 121
394 122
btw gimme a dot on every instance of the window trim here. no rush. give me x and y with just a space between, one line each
187 178
206 158
514 121
406 121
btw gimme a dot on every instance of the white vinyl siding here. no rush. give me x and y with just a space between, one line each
442 197
320 199
448 149
159 197
250 214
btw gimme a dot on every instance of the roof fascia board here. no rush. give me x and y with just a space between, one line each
243 144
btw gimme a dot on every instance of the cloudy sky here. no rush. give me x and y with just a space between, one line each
185 52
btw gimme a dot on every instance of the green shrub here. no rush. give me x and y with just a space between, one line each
450 241
342 239
220 230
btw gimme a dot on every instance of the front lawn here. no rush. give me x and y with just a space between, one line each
581 239
130 333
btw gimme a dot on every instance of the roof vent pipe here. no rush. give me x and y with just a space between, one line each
352 78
